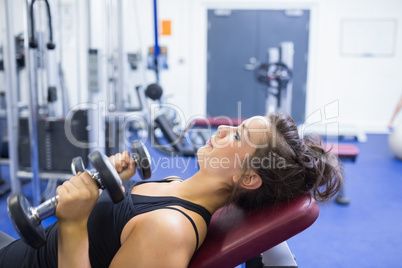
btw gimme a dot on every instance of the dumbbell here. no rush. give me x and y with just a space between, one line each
142 161
139 153
27 219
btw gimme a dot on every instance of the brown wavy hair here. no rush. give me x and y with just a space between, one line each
289 166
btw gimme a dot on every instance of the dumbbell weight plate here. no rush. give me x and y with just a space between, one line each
24 223
77 165
142 159
108 175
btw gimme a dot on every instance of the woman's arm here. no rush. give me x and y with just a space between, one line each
77 197
73 246
163 238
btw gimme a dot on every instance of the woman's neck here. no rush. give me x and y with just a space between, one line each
209 191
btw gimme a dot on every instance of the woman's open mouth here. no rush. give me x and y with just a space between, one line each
209 143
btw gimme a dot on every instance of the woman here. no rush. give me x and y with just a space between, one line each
256 164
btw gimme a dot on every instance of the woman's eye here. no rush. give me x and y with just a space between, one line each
237 136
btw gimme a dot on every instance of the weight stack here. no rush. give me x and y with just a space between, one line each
55 151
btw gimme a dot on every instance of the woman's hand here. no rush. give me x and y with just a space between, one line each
77 197
124 164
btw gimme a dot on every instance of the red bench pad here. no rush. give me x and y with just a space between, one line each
342 150
217 121
234 236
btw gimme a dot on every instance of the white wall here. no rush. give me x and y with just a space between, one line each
367 88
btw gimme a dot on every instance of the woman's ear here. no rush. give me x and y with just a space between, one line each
250 180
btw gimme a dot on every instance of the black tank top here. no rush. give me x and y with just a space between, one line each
105 225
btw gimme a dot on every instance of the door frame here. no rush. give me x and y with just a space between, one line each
199 55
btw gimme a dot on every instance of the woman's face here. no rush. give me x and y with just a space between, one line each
225 152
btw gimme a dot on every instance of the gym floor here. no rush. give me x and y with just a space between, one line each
365 233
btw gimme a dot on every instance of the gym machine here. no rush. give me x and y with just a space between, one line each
36 141
173 143
276 75
164 132
35 128
20 65
124 104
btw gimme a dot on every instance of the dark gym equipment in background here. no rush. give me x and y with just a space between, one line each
275 77
172 143
55 149
164 132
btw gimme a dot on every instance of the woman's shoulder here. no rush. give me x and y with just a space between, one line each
162 233
163 226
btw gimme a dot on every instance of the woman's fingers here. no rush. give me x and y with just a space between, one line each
77 185
126 158
122 161
77 198
118 161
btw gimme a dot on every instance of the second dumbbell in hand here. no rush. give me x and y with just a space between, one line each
124 164
139 160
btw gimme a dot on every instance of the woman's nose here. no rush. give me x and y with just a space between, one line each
222 130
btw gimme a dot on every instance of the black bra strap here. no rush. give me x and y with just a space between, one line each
192 222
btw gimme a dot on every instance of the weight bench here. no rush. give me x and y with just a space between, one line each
234 237
217 121
345 153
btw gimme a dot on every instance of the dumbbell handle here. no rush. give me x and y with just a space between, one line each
142 159
47 208
136 159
